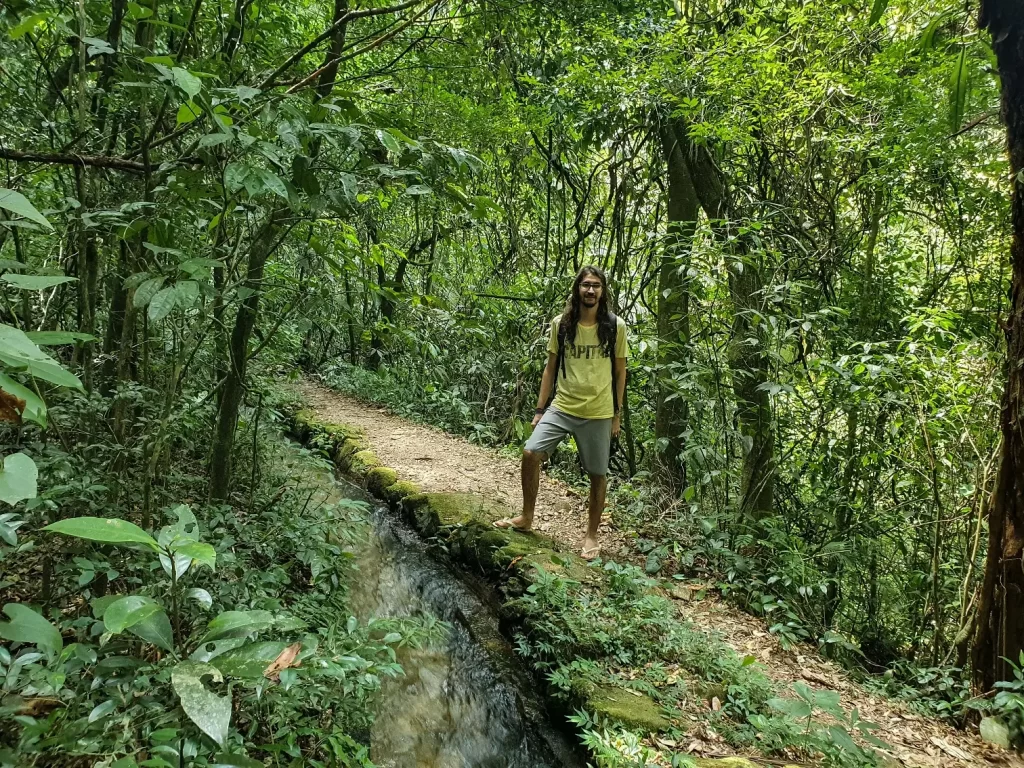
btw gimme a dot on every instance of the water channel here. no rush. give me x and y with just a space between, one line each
458 705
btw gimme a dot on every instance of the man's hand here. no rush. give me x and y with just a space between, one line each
537 416
615 426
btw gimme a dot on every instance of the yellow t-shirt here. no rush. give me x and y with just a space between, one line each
586 389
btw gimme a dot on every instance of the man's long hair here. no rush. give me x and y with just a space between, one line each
573 306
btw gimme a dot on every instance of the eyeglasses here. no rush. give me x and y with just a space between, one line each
591 286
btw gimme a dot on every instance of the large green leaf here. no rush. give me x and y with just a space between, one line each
155 629
237 624
959 79
146 291
212 713
19 352
877 9
162 303
250 660
18 478
109 530
55 338
15 202
185 530
37 282
127 612
27 626
188 82
202 553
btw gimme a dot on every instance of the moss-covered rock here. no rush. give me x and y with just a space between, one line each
378 479
399 490
362 462
623 705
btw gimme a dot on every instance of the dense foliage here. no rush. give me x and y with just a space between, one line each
804 209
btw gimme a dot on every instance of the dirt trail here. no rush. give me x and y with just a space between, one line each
437 461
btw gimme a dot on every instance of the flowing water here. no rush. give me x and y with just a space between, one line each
458 705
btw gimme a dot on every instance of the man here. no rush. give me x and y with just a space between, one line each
593 343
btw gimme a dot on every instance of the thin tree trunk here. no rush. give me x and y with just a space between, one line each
238 353
1001 611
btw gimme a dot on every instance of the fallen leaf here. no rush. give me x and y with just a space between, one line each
284 660
813 677
950 749
37 707
716 705
11 407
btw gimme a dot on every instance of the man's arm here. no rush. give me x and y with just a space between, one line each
620 390
546 383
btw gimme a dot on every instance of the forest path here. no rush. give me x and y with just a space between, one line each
439 462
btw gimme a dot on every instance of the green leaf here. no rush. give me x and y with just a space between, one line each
250 660
188 82
146 291
56 338
272 182
107 530
224 760
417 190
188 112
27 626
212 713
162 303
187 292
928 36
958 82
995 732
201 596
214 139
877 10
202 553
102 710
390 142
18 351
392 637
155 629
99 605
18 478
36 282
235 175
842 739
28 24
15 202
127 612
799 710
237 624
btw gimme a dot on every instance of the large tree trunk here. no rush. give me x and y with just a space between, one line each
748 362
671 410
1001 610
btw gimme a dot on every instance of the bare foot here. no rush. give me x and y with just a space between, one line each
521 524
591 548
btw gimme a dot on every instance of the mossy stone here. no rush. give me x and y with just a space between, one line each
399 490
463 508
378 479
362 462
636 711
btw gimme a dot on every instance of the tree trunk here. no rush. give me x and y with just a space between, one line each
748 362
238 353
1001 610
672 408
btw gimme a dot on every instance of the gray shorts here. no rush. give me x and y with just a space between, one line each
593 438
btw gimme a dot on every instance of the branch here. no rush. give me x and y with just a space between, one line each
95 161
345 18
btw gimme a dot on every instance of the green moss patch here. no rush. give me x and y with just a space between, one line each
362 462
624 706
379 479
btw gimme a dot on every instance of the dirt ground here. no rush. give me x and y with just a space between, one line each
437 461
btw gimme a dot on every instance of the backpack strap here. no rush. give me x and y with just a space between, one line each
615 333
559 362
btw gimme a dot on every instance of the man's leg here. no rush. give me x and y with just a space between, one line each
594 439
545 438
531 482
598 486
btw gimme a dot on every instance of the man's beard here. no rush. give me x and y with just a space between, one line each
589 302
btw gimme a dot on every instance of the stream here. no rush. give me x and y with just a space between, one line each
457 705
